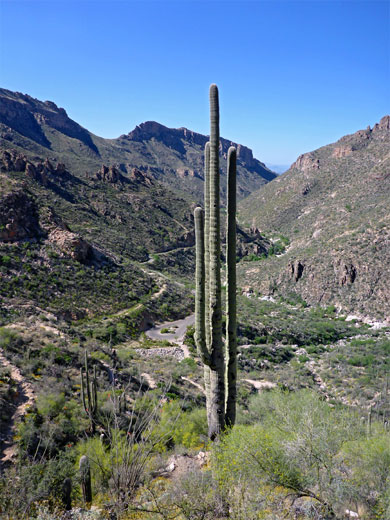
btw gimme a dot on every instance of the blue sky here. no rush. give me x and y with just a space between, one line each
293 76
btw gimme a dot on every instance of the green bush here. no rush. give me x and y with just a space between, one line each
302 447
23 487
8 339
178 428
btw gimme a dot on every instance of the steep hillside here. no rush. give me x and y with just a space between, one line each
173 156
72 247
332 207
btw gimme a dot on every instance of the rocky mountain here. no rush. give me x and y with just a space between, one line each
332 206
172 156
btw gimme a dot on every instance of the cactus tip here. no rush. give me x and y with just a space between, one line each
198 211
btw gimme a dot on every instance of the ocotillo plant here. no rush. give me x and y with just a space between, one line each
220 366
89 394
85 478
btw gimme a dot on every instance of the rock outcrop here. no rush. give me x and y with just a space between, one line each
139 176
18 217
71 244
36 169
306 161
342 151
109 174
58 233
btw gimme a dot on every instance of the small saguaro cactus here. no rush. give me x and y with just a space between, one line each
85 479
67 494
220 370
89 394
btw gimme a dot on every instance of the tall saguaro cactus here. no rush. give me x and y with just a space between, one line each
220 366
89 394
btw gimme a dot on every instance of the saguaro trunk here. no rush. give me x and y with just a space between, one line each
206 368
217 372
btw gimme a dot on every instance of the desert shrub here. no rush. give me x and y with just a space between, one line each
302 447
9 339
369 463
54 424
25 486
178 428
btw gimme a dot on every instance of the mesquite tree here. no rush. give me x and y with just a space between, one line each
220 362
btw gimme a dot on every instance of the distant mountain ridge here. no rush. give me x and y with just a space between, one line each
333 206
173 156
26 115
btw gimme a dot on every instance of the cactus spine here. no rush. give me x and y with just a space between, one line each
85 478
231 321
89 394
220 368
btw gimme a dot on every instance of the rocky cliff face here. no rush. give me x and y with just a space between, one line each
175 137
29 116
333 206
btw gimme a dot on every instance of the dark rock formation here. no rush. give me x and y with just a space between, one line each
18 217
296 269
36 169
109 174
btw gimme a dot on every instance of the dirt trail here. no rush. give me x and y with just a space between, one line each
198 386
25 398
149 379
261 385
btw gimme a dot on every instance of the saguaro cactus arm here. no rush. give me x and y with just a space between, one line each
200 332
231 320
